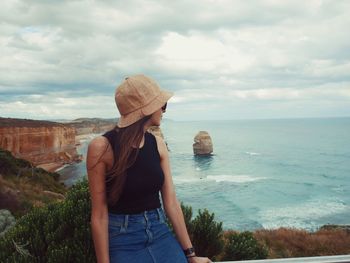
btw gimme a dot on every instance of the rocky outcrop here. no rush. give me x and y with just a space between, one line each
39 142
7 220
156 131
55 195
202 144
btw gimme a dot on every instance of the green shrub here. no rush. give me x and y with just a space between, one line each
206 234
59 232
187 212
243 246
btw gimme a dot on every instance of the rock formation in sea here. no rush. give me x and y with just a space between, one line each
203 144
40 142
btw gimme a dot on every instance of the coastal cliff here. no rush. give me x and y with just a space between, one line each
40 142
92 125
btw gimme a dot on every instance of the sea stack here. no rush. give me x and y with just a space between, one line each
202 144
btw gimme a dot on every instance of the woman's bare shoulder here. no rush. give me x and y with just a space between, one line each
99 148
98 144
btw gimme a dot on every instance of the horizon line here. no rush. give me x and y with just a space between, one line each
198 120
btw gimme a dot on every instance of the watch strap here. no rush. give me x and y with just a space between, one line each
189 251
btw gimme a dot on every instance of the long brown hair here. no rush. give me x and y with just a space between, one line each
124 157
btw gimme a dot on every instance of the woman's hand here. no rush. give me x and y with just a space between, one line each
199 260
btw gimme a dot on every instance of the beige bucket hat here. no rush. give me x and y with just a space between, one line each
138 96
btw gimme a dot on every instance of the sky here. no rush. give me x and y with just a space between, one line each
222 59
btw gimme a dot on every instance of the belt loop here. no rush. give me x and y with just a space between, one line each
145 216
126 219
160 218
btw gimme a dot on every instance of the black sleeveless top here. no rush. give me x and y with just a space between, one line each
144 178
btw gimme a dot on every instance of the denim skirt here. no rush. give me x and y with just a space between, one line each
142 238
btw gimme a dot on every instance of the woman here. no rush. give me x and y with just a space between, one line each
127 168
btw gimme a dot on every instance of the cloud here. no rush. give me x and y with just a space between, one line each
201 54
56 107
60 55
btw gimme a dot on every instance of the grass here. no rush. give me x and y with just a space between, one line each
289 242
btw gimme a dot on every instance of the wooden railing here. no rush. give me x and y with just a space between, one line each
326 259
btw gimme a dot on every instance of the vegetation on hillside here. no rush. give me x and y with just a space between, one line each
23 186
59 232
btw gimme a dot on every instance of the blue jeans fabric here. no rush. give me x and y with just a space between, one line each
142 238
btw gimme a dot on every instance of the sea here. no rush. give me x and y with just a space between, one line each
267 173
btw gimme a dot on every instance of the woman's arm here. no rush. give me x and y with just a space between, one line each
171 204
96 168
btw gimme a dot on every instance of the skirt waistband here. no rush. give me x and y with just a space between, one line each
145 216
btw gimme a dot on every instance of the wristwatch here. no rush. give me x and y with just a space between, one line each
189 251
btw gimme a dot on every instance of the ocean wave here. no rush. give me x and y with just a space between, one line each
218 179
253 153
339 189
346 155
331 176
183 179
61 168
234 178
304 215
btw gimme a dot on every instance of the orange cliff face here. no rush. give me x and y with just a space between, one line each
40 142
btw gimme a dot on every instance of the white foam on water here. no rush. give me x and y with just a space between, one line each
253 153
61 168
234 178
339 189
183 179
301 216
218 179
